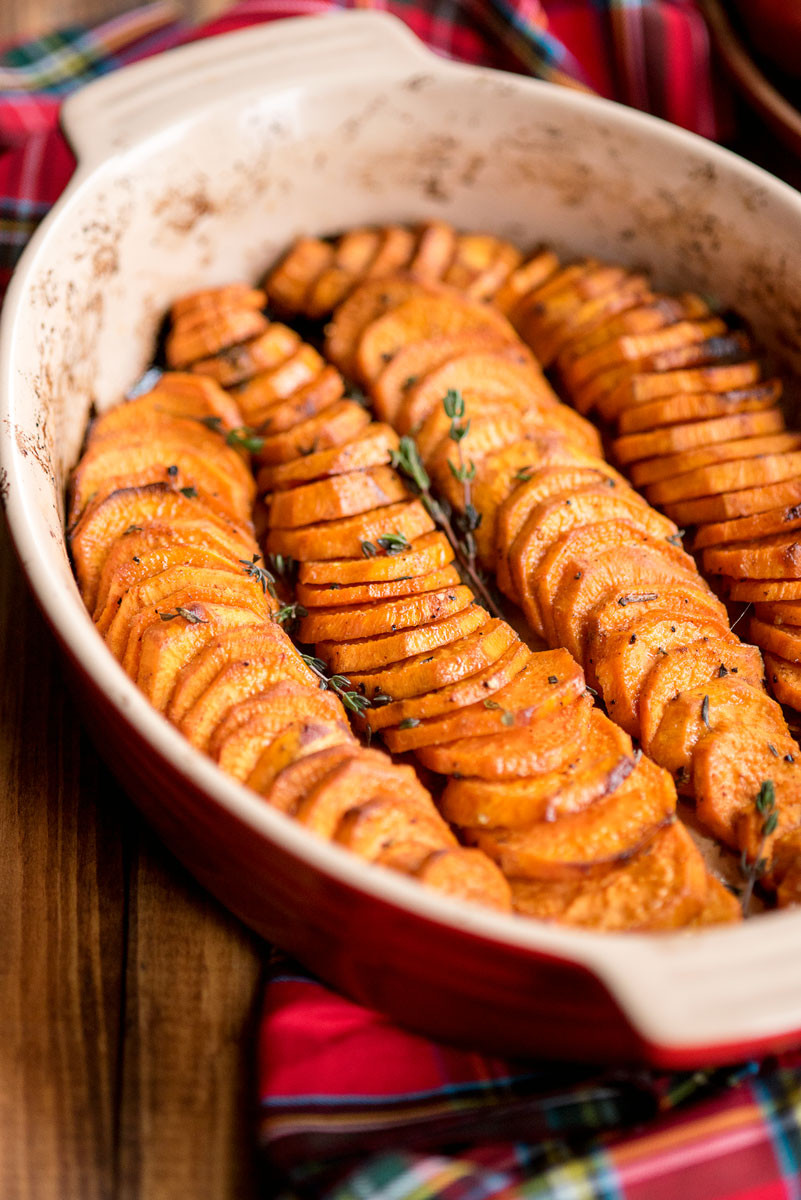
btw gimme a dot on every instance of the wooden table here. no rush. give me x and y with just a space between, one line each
128 997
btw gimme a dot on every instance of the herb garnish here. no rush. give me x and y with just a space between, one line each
186 613
262 576
754 869
338 684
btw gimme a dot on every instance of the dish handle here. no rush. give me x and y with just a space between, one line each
116 112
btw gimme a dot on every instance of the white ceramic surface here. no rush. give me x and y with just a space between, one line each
197 168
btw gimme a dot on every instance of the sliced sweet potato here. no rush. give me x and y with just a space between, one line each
298 741
439 668
475 371
539 317
664 886
480 264
576 428
590 315
784 875
612 829
238 645
279 703
413 361
464 873
364 305
486 283
777 556
755 591
652 314
335 425
781 640
292 783
353 253
337 497
187 341
686 667
635 350
784 679
436 246
599 767
745 529
238 753
423 316
676 410
371 447
430 552
366 593
239 363
366 828
515 752
287 284
175 588
295 365
344 538
729 768
658 469
132 571
397 245
615 611
310 398
523 701
725 477
157 651
492 426
567 510
708 706
616 391
673 439
130 509
383 616
623 664
779 612
366 654
231 295
525 280
720 906
355 782
587 563
177 397
447 700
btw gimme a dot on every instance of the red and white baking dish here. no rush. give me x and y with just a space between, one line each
197 168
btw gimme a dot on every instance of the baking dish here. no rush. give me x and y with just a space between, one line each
197 168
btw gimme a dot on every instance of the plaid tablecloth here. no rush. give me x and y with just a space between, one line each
351 1107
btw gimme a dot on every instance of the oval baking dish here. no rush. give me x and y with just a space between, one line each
199 167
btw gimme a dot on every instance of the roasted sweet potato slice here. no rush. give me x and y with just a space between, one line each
726 477
746 529
779 612
616 611
291 784
525 280
675 410
492 426
344 538
371 447
239 363
475 371
674 439
664 886
133 571
366 828
587 563
657 469
370 653
729 768
708 706
337 497
430 552
238 753
354 252
287 284
130 509
423 316
777 556
627 389
275 704
523 701
157 651
296 388
355 782
397 245
231 295
177 396
336 425
784 873
179 586
539 318
652 314
298 741
414 361
480 264
188 341
781 640
720 906
325 389
238 645
367 593
755 591
439 668
364 305
447 700
784 679
140 421
633 349
465 873
599 767
385 616
589 315
436 246
622 666
612 829
576 428
515 752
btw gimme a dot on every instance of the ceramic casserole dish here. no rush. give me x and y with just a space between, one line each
197 168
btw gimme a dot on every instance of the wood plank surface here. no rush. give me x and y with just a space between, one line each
127 995
31 18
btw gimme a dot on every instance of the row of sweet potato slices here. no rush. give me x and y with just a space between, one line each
698 426
545 783
168 565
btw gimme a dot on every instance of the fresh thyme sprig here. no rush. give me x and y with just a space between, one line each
192 617
261 575
754 869
469 519
354 701
242 436
284 568
288 614
407 459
